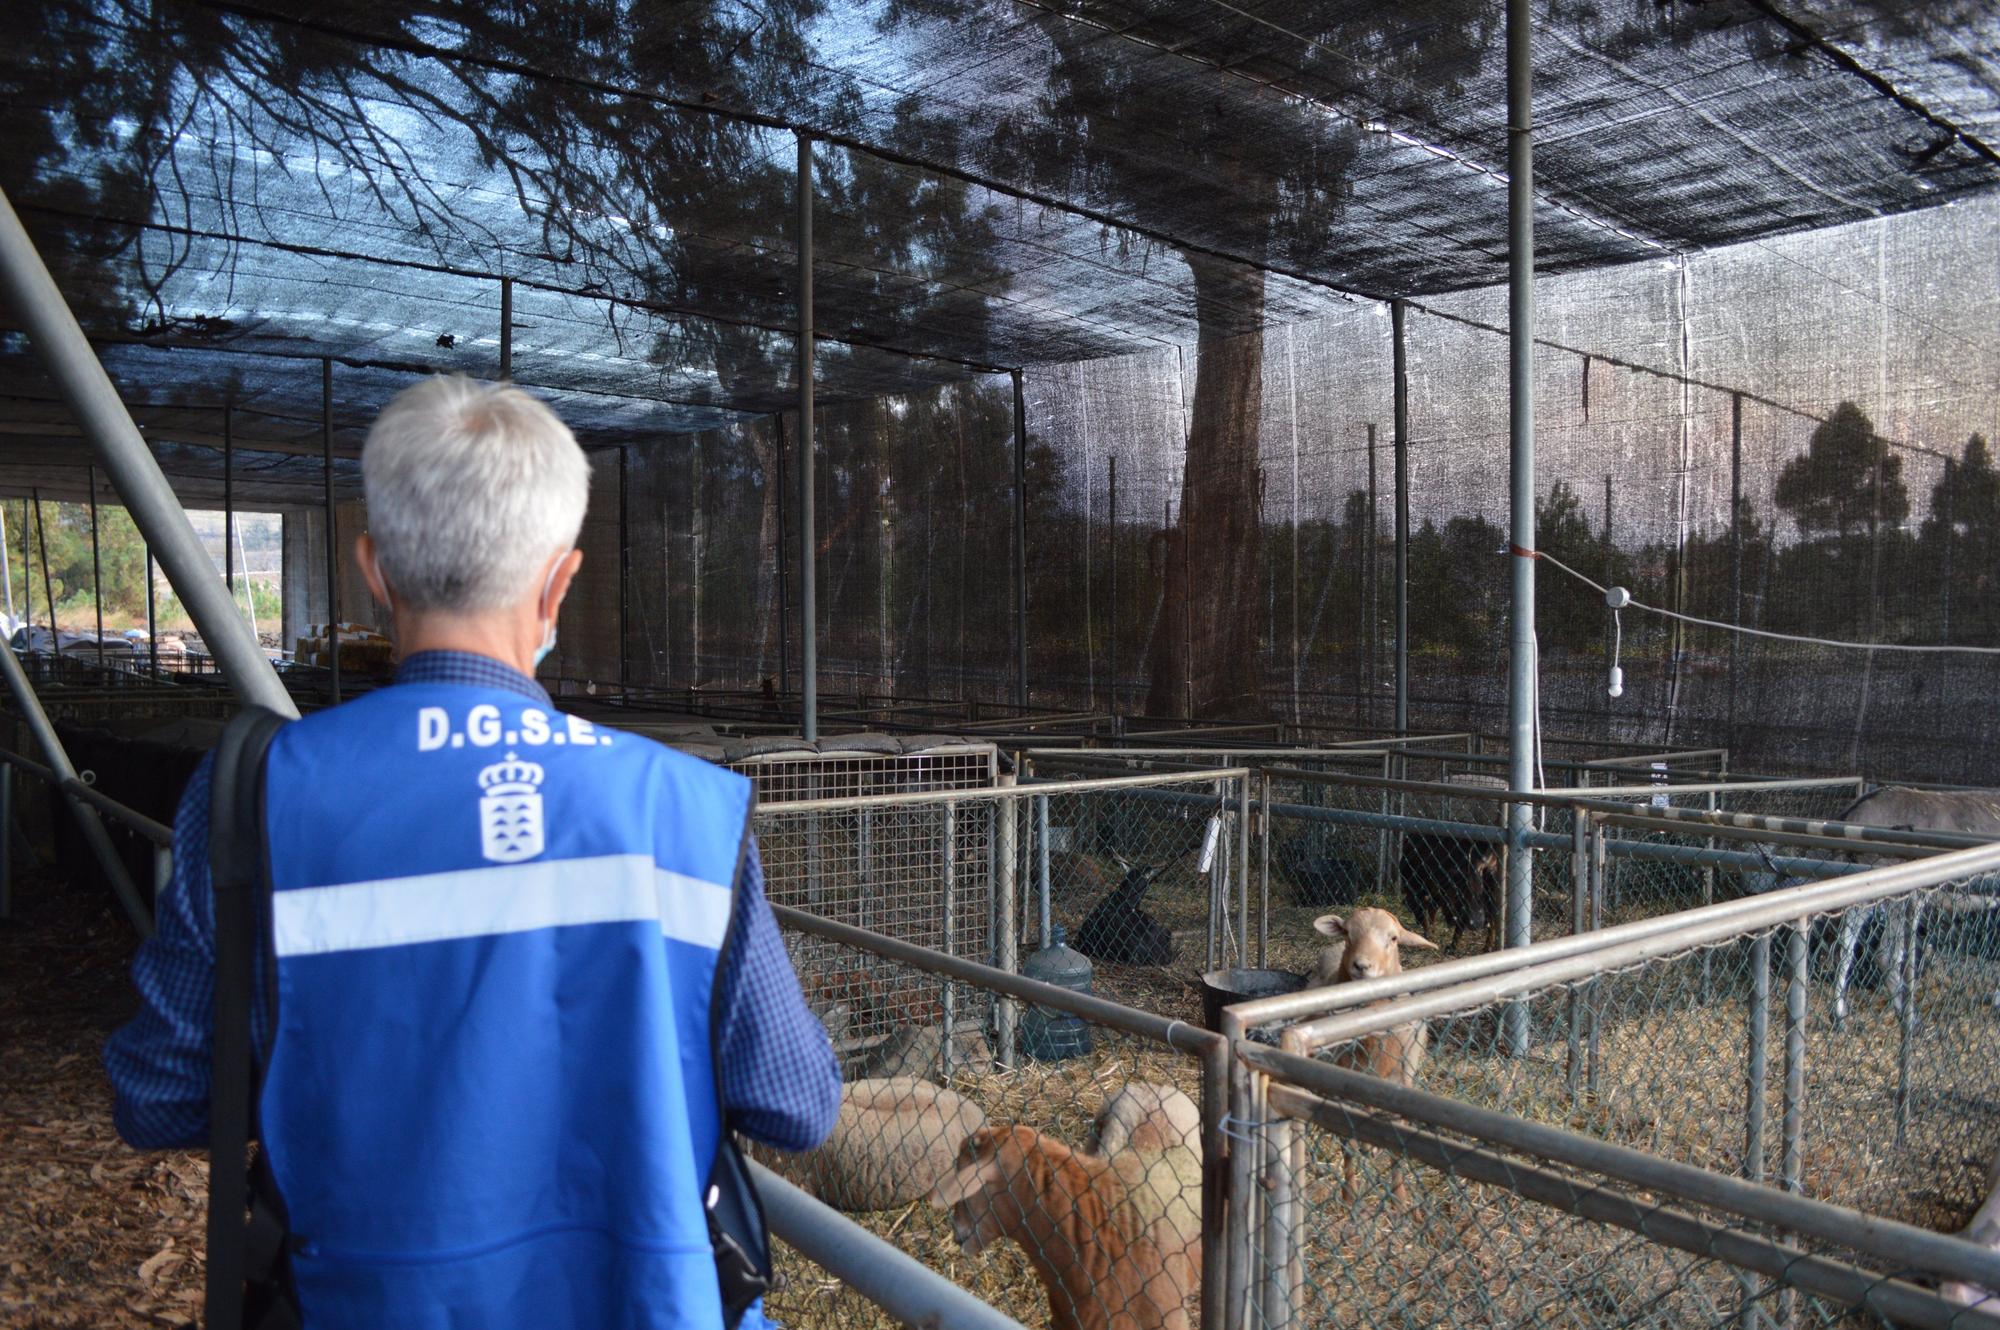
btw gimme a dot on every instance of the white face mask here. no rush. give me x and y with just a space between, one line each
548 638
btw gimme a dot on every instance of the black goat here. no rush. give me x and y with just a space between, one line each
1457 879
1117 929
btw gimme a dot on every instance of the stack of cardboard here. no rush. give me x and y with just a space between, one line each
362 650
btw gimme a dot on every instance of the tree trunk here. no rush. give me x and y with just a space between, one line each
1205 664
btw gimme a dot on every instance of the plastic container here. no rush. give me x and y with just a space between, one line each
1051 1036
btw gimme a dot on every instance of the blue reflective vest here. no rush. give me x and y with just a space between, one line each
491 1100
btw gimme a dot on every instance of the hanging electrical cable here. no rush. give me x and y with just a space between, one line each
1632 602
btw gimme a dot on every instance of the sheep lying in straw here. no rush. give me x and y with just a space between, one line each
1372 941
895 1137
1115 1237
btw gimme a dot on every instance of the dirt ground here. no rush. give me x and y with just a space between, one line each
92 1233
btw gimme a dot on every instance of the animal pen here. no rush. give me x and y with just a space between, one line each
1126 479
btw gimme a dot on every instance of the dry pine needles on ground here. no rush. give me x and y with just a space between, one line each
92 1233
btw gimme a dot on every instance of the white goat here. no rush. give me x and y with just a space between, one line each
1899 808
1372 939
1984 1230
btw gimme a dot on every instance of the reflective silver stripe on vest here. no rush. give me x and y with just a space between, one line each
510 898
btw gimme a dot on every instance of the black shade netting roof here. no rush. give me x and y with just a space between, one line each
997 184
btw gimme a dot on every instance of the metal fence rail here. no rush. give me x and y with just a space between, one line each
1760 1112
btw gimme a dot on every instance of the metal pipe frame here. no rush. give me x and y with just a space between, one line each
1021 544
332 527
48 581
1007 912
1621 944
904 1287
1026 789
87 820
1684 932
1652 852
808 436
96 566
1557 797
122 451
1900 1302
1899 1246
506 328
1401 373
1521 662
1176 1034
157 832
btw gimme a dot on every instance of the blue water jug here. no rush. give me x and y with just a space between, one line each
1051 1036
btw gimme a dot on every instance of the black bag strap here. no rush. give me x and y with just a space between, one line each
239 870
736 1226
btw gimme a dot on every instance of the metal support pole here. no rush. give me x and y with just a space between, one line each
96 567
1396 313
27 287
332 525
87 819
624 562
784 589
1243 872
1243 1196
1593 999
1792 1160
1263 867
948 999
1281 1219
1217 1152
1020 544
228 497
1007 911
28 575
1708 898
1521 433
1735 552
1907 1024
1759 1071
1111 506
808 434
1371 600
1579 898
909 1291
506 328
48 582
152 619
1042 866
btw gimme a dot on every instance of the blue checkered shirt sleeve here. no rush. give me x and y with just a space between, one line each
780 1080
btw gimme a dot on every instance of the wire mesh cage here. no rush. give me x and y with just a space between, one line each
1850 1055
1069 1188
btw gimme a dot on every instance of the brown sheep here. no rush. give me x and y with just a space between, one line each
1097 1251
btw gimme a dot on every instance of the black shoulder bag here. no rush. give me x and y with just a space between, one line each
249 1274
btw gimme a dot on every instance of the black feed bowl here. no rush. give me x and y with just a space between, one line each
1226 988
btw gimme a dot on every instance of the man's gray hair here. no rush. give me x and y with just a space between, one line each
471 487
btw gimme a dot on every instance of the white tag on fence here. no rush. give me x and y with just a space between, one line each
1208 842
